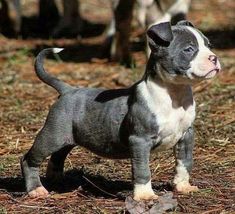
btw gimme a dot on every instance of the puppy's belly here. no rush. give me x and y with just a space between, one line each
103 141
108 150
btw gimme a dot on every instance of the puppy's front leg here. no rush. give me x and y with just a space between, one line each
184 162
140 152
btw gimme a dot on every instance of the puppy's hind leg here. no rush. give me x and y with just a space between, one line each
55 165
55 135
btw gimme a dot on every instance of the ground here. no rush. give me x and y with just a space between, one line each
96 185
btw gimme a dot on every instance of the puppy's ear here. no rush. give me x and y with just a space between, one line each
160 35
185 23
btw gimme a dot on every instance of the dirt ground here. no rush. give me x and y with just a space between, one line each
96 185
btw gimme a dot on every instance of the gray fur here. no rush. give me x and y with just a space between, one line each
184 149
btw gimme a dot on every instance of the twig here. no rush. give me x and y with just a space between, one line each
200 88
9 195
36 207
82 195
227 122
17 143
107 193
212 211
25 205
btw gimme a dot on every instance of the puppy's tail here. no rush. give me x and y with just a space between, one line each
57 84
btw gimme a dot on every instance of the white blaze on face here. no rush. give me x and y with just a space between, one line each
202 66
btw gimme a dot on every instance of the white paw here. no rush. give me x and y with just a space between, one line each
145 197
144 192
186 188
38 192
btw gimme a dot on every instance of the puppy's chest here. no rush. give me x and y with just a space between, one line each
172 124
174 114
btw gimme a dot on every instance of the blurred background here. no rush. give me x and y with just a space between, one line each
96 55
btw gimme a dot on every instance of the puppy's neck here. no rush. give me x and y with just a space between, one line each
159 88
163 78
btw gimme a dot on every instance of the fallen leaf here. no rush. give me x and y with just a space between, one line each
135 207
164 203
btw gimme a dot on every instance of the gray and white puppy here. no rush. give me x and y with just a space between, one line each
154 114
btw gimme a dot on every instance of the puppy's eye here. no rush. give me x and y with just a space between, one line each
188 49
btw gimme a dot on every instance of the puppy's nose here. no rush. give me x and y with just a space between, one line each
213 59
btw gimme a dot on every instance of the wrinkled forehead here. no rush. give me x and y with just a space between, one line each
186 35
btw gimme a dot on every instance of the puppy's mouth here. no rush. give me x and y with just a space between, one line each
212 73
208 75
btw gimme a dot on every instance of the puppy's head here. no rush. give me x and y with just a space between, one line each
182 52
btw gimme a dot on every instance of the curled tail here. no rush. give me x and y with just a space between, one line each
57 84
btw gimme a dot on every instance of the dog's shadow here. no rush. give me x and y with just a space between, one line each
90 185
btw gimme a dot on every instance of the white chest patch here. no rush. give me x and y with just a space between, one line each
174 111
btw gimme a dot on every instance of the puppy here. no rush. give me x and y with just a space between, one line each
154 114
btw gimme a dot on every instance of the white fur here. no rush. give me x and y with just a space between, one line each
181 179
143 191
111 28
182 175
141 16
199 38
166 18
201 66
57 50
142 7
173 118
145 3
180 6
